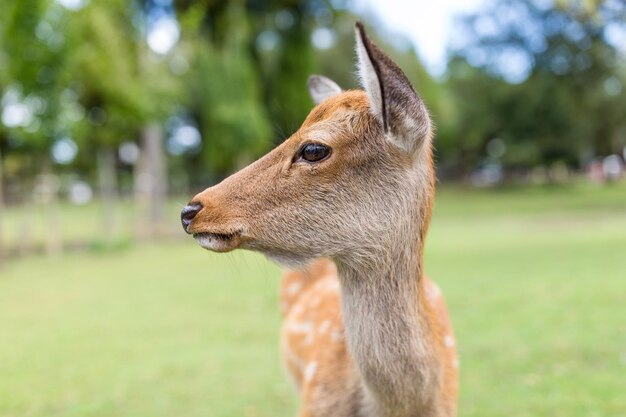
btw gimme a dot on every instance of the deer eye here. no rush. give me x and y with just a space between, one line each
314 152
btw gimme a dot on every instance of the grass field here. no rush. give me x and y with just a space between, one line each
535 280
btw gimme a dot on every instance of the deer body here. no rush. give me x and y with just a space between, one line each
315 352
347 199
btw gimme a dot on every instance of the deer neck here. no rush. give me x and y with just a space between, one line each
386 328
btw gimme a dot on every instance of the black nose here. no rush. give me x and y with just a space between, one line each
188 213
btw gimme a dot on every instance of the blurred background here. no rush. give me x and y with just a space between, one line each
114 113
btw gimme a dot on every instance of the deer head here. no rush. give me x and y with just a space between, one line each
355 174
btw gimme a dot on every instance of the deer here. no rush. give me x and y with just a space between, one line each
345 203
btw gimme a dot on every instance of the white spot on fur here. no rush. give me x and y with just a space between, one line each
324 326
449 341
297 310
309 372
293 288
304 327
337 336
300 327
331 283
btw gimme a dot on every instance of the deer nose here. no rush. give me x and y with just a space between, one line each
189 212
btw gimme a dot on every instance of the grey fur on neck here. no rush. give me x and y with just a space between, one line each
386 332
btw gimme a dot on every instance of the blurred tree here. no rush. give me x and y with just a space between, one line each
241 52
78 80
1 213
285 90
36 103
3 141
87 81
224 87
126 91
538 79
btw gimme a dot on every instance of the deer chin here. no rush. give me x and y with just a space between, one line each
288 259
218 242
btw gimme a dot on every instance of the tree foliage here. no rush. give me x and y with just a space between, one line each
546 81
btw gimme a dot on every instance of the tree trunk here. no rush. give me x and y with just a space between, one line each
108 194
1 213
150 182
49 188
27 213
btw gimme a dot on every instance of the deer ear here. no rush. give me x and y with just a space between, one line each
320 88
393 101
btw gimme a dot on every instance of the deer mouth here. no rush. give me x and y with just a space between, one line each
218 242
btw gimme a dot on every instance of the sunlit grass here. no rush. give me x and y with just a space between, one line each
536 284
534 279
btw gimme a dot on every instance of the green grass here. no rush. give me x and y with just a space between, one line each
536 284
535 281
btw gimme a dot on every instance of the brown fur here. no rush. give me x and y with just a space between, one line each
312 296
366 334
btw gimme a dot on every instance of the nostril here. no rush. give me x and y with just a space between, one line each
189 212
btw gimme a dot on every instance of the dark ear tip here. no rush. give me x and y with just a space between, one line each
358 26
